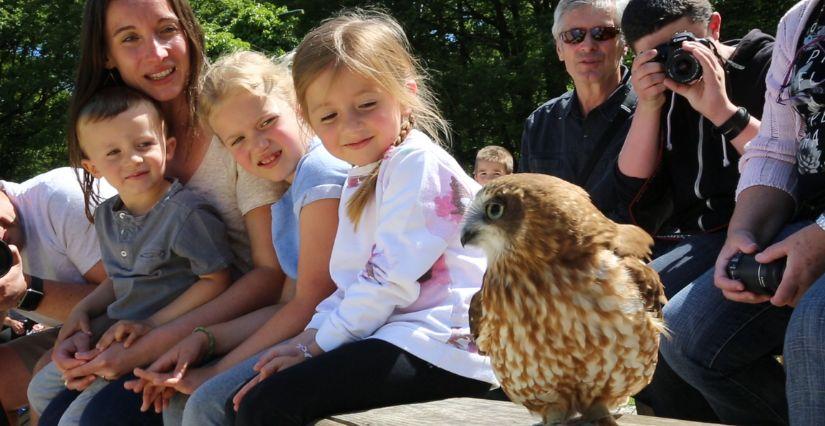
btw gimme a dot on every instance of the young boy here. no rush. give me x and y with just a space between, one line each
164 249
492 161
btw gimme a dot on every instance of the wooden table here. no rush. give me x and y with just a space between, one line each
467 411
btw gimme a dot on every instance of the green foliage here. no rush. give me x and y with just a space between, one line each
740 16
39 47
232 25
492 62
36 64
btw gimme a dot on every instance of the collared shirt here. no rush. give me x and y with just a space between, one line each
154 258
559 140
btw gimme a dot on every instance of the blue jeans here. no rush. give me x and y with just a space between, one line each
726 350
207 405
678 264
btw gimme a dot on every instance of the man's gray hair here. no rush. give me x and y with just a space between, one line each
614 7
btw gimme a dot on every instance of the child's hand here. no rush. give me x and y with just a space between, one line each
171 368
63 354
78 321
16 326
123 331
280 357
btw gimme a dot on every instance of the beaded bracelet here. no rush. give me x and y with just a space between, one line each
210 349
304 350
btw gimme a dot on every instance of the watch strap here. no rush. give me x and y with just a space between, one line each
733 126
34 294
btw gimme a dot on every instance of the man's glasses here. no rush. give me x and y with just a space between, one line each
577 35
793 95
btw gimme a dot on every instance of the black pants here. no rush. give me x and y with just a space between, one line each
358 376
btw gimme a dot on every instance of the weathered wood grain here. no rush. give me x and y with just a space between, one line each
467 411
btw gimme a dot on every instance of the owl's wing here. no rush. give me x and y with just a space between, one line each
649 284
476 313
632 241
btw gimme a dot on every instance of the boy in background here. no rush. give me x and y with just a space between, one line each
492 161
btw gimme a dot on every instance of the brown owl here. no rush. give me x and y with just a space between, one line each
569 313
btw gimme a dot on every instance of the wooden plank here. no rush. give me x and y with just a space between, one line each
470 411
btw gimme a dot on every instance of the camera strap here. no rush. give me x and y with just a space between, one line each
725 62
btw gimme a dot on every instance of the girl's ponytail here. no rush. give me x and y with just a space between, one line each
364 193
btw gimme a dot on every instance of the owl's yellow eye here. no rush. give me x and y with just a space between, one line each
494 210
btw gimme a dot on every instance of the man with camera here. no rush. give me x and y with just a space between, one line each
699 103
577 136
47 248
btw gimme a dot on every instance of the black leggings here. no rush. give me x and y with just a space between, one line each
358 376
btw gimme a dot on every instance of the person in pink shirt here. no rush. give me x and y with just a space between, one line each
726 334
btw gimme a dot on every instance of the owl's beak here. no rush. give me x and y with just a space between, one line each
467 235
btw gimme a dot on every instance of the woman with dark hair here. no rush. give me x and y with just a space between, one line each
725 337
156 46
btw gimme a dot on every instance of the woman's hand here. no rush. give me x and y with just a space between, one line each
805 251
64 357
737 242
280 357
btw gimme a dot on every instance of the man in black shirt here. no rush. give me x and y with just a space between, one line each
683 147
577 136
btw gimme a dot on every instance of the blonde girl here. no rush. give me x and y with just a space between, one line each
396 330
249 103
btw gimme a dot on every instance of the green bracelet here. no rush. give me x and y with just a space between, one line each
211 337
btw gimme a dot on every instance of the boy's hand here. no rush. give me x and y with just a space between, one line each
648 78
123 331
78 321
707 96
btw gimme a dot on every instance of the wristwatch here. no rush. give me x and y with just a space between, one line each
821 221
34 294
735 124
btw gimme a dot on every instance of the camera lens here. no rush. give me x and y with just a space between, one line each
6 259
760 278
682 67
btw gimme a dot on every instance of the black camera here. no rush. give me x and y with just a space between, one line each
6 258
760 278
680 65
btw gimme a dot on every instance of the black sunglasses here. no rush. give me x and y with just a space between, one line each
577 35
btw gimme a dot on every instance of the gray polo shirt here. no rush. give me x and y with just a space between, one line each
153 258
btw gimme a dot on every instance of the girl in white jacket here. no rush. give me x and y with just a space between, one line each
396 329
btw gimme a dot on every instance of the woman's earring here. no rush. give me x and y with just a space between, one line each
110 78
